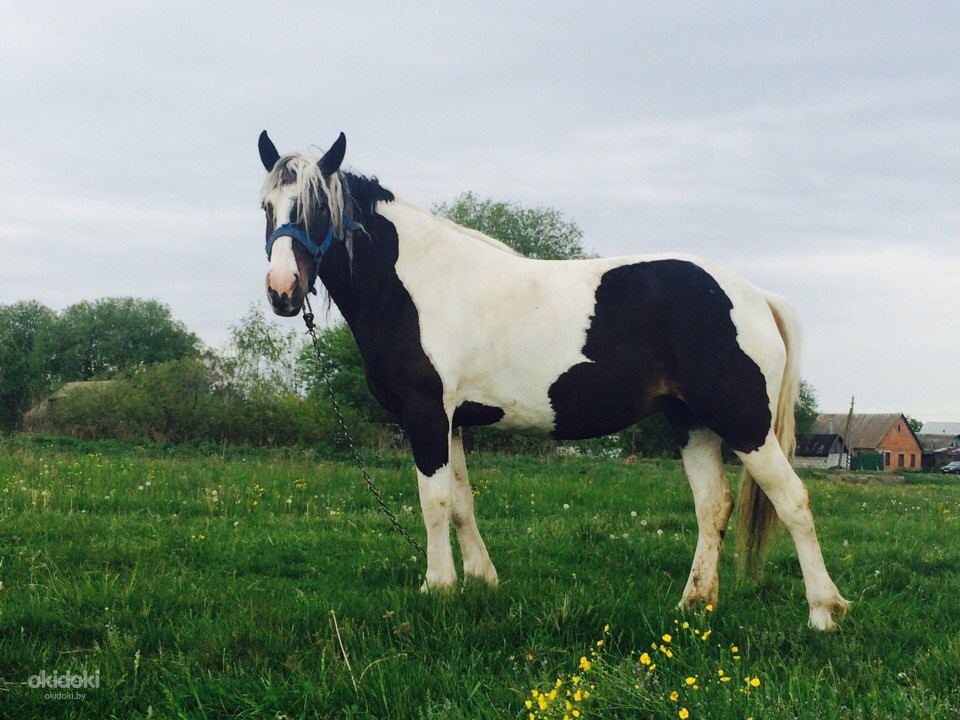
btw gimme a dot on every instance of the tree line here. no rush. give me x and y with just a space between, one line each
263 388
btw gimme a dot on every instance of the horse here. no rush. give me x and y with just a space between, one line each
457 330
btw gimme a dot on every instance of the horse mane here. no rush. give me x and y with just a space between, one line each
347 195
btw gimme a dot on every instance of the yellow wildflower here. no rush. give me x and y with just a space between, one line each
755 682
685 625
599 643
529 704
709 608
684 714
578 696
734 649
575 679
667 638
576 713
585 664
706 635
674 695
644 659
691 680
606 628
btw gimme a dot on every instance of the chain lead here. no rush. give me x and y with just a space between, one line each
311 330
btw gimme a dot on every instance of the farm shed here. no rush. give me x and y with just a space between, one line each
821 450
940 442
885 433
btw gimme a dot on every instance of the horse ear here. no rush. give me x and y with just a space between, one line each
268 152
330 162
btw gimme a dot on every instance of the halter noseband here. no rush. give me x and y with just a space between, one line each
316 251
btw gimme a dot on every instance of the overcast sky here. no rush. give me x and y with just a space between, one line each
812 147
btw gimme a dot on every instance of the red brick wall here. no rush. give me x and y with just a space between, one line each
900 442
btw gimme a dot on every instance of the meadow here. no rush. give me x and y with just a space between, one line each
235 584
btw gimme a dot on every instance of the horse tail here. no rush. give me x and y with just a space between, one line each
756 515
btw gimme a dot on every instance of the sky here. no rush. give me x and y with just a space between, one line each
814 148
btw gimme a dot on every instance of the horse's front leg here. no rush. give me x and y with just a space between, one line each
476 560
428 429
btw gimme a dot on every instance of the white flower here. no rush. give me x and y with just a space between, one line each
633 513
566 506
139 487
643 523
660 532
236 523
148 484
289 500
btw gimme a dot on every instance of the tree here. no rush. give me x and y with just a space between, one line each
537 232
114 334
263 356
805 411
914 424
26 333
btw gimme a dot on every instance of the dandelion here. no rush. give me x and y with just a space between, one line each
633 513
139 487
659 532
566 506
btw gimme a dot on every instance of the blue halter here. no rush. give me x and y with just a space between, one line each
316 251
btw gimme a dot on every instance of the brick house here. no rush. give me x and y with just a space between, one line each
885 433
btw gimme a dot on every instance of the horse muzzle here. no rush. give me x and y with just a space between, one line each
285 301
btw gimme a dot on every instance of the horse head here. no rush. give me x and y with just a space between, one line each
303 200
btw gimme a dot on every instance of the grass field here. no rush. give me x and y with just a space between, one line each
202 587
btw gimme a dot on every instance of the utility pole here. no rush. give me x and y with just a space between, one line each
846 434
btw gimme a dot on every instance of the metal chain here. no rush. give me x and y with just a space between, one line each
324 373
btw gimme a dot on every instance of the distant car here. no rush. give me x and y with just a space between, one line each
951 468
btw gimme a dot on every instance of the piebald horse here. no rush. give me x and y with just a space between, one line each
457 330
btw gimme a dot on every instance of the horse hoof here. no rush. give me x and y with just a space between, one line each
824 617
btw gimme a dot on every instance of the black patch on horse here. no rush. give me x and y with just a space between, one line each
662 338
471 413
385 323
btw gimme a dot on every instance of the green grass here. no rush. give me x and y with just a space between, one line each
202 587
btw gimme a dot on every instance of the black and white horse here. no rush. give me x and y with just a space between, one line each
457 330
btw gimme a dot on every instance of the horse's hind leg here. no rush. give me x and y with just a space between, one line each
775 476
476 560
714 501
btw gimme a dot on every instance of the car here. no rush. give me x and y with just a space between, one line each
951 468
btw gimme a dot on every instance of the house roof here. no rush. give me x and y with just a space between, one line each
817 445
941 428
867 430
935 441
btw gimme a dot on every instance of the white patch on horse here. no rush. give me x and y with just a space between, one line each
519 340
